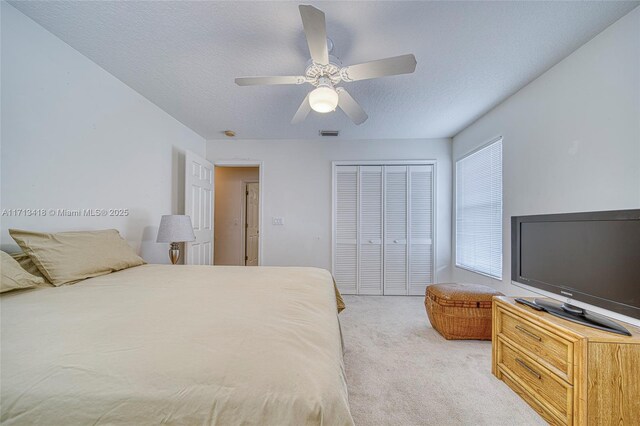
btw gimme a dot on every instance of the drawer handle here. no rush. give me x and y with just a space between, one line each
529 369
528 333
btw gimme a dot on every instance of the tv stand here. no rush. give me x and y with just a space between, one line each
571 309
569 373
581 316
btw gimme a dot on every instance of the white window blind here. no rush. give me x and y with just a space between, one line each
479 211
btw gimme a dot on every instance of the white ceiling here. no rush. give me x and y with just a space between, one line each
184 56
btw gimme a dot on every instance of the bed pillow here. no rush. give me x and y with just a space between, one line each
69 257
27 264
14 277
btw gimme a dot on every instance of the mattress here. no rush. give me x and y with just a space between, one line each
165 344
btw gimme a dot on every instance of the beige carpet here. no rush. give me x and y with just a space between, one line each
400 371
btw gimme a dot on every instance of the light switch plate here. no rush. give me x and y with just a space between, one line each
278 221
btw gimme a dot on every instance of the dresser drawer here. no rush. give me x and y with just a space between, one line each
538 382
548 348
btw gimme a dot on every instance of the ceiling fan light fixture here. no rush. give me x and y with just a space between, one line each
324 71
323 99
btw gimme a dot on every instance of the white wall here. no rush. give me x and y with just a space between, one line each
571 137
228 217
297 186
74 136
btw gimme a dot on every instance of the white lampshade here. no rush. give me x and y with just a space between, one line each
323 99
175 228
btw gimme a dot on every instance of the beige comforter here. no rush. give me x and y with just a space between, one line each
177 345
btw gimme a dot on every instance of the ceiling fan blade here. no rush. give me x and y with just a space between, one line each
315 29
303 111
404 64
350 107
285 79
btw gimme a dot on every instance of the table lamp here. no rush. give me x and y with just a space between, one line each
174 229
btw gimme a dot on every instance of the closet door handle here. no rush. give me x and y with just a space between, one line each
395 241
370 241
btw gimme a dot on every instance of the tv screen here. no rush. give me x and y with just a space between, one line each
589 257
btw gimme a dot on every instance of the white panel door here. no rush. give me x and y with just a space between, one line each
395 230
199 205
345 252
252 221
420 228
370 235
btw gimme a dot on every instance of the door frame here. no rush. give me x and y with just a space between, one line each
247 163
243 209
434 230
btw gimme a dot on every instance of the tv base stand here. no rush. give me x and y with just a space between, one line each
581 316
569 373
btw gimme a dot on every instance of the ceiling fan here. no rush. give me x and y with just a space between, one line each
325 72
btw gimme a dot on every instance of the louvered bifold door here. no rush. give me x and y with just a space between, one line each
345 252
395 230
370 235
420 228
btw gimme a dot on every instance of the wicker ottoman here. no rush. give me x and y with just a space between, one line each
460 311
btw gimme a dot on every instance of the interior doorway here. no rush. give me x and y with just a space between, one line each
237 215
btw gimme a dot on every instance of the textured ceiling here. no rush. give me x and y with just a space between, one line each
184 56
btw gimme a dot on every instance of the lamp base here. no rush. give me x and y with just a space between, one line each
174 253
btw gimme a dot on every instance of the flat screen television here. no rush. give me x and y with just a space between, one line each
587 257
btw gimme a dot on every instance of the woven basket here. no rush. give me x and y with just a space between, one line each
460 311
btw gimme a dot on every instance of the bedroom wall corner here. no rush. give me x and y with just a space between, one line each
74 137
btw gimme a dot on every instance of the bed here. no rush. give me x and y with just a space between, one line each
164 344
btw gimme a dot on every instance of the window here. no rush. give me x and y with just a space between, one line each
479 211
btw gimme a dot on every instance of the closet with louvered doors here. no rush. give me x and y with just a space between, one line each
383 228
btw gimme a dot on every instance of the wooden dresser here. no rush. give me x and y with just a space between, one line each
570 374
